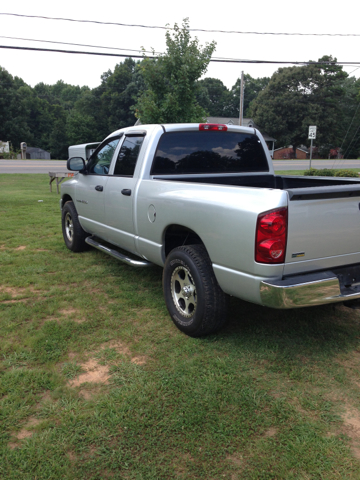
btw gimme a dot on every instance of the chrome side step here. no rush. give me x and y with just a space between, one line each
117 255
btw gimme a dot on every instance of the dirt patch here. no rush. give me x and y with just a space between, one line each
352 421
13 445
142 312
94 373
107 474
277 394
350 361
118 346
46 397
71 456
86 394
352 430
92 450
24 432
52 318
22 300
181 462
79 320
236 459
73 313
271 432
22 247
68 311
15 292
141 360
124 350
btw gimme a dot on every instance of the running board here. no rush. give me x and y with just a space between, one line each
117 255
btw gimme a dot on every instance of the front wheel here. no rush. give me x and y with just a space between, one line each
193 297
73 233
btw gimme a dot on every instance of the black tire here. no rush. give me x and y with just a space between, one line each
73 233
193 297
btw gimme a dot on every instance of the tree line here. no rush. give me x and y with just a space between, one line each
167 89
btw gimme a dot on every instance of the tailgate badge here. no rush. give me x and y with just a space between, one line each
297 255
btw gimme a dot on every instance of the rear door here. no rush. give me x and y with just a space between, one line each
120 193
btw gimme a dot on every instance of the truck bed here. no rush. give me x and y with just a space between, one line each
281 182
323 217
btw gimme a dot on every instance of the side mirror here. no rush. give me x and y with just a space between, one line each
76 164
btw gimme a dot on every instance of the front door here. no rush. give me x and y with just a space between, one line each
91 188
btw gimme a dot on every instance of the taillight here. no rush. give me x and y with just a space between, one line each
212 126
271 235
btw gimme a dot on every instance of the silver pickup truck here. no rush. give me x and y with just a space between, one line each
202 201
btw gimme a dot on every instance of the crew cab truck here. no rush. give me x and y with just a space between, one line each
203 202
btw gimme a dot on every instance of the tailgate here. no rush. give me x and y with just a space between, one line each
323 228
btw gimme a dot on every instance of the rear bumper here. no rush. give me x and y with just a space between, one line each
309 290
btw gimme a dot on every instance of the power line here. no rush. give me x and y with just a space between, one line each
352 71
76 44
350 125
348 148
218 60
11 47
190 29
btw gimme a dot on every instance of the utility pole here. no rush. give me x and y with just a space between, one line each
241 109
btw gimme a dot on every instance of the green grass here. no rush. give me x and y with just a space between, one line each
275 395
301 172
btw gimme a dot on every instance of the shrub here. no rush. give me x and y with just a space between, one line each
321 172
346 173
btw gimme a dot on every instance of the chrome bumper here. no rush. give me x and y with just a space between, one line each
306 291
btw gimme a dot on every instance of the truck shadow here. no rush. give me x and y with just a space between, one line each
323 331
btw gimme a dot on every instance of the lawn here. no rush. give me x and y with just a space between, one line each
97 383
301 172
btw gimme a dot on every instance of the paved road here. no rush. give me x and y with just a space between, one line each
46 166
32 166
304 164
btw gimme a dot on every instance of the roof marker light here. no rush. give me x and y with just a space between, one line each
212 126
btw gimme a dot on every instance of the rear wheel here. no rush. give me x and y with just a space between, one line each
73 233
195 301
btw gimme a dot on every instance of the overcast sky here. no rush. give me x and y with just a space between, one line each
282 16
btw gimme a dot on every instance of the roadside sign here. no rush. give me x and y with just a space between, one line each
312 132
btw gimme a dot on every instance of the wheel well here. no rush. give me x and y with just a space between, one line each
177 235
66 198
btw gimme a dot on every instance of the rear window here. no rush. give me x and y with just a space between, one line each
208 152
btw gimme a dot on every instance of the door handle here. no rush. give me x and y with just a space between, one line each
99 188
126 191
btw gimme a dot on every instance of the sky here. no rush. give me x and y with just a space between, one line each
277 16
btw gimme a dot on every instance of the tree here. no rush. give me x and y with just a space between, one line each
297 97
170 80
13 117
350 104
119 92
252 88
213 96
81 128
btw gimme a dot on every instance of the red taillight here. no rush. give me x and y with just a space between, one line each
271 234
212 126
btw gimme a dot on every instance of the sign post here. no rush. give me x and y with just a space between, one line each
312 136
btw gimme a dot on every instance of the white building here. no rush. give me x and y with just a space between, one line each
4 147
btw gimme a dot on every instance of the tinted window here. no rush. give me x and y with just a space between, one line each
99 162
128 155
209 152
